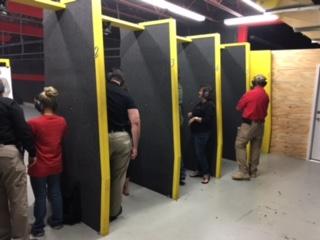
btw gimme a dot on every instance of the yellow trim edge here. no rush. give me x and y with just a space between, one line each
184 39
157 22
102 115
67 1
261 63
235 44
248 84
210 35
45 4
219 110
122 24
175 109
5 61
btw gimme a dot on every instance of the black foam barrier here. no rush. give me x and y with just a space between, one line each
70 67
233 87
196 69
145 61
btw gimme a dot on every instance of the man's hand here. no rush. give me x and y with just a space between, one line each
32 161
134 153
190 115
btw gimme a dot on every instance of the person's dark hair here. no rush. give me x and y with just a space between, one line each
259 80
47 99
207 93
117 75
2 88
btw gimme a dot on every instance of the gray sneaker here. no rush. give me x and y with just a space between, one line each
240 176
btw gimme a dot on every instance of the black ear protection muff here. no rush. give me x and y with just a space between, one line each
259 80
38 104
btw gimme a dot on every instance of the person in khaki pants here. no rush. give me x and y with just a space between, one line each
254 107
14 132
123 122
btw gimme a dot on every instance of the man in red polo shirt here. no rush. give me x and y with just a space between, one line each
254 108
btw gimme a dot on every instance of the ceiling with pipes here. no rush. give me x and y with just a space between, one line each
302 15
214 10
21 30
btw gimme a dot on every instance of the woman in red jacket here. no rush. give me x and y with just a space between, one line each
48 131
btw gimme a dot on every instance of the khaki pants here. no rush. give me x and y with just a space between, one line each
120 148
13 194
252 133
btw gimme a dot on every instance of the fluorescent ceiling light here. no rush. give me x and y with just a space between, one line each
251 19
254 5
176 9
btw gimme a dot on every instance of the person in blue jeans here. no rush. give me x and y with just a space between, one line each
48 132
201 122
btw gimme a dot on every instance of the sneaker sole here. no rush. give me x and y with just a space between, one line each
241 179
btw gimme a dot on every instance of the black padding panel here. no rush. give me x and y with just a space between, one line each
196 69
69 66
233 87
145 60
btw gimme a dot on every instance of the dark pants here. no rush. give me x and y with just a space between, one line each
41 188
200 143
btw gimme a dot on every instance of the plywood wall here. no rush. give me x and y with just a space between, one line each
292 100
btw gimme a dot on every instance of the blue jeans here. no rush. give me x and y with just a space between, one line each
200 142
43 187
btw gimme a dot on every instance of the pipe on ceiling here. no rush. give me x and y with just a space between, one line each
142 8
219 5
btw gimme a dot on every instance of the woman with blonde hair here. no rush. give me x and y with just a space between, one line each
48 131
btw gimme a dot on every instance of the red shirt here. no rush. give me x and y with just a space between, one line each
254 104
48 132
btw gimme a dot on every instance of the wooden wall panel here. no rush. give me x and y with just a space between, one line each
293 77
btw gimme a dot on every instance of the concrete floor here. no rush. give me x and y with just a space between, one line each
282 203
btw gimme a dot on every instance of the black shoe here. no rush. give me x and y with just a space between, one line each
54 226
112 218
37 234
182 183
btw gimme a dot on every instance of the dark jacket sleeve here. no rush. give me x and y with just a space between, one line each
209 114
22 129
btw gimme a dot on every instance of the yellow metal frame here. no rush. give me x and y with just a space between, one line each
202 36
261 63
67 1
156 22
102 114
219 109
175 109
122 24
46 4
5 61
184 39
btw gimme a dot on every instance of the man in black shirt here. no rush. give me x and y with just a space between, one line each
123 122
14 134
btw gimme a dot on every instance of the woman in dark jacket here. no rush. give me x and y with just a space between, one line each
201 122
